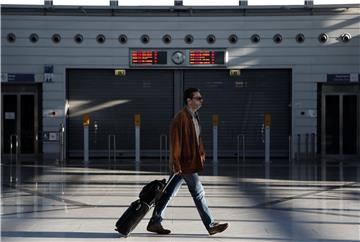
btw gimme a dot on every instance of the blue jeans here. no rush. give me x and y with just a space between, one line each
197 192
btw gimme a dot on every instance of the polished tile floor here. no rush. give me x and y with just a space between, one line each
74 203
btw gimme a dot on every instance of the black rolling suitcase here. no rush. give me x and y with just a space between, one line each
148 196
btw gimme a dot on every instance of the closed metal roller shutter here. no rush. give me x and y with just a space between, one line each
111 102
241 103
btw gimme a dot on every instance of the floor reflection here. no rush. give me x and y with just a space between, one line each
298 200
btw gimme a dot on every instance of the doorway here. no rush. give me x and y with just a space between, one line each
19 118
340 120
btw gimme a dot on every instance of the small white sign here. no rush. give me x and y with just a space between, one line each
354 77
4 77
53 136
48 77
312 113
10 115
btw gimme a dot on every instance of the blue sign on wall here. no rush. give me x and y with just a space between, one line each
343 78
338 78
20 77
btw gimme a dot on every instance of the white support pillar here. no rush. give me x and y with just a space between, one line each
215 121
137 121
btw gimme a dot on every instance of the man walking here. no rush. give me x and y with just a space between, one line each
187 158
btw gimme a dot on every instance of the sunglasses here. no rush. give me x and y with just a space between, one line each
198 98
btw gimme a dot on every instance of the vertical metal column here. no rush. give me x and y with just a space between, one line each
306 146
267 123
163 151
137 121
238 148
86 123
267 144
61 143
298 147
341 170
86 145
215 122
16 156
238 152
313 146
290 148
291 160
61 160
112 142
313 154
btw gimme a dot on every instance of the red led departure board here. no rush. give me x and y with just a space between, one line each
206 57
148 57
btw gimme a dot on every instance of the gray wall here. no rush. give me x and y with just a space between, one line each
309 61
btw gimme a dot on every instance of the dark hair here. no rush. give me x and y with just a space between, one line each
189 93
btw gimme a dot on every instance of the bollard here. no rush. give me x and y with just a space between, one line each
313 153
341 170
267 123
61 143
86 145
11 158
163 151
313 146
238 148
306 146
244 149
298 147
18 163
267 144
215 122
137 122
290 148
238 151
292 167
112 142
61 158
86 123
11 154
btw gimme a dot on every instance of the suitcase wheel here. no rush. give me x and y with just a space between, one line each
138 207
122 235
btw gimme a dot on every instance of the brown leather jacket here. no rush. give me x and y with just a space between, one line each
185 154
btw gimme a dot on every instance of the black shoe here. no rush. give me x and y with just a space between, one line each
157 228
218 228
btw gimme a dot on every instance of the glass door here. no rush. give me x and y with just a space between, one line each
27 127
19 119
9 121
350 124
340 124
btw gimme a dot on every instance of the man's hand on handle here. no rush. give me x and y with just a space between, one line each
176 171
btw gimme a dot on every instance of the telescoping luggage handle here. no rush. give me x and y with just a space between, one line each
168 182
